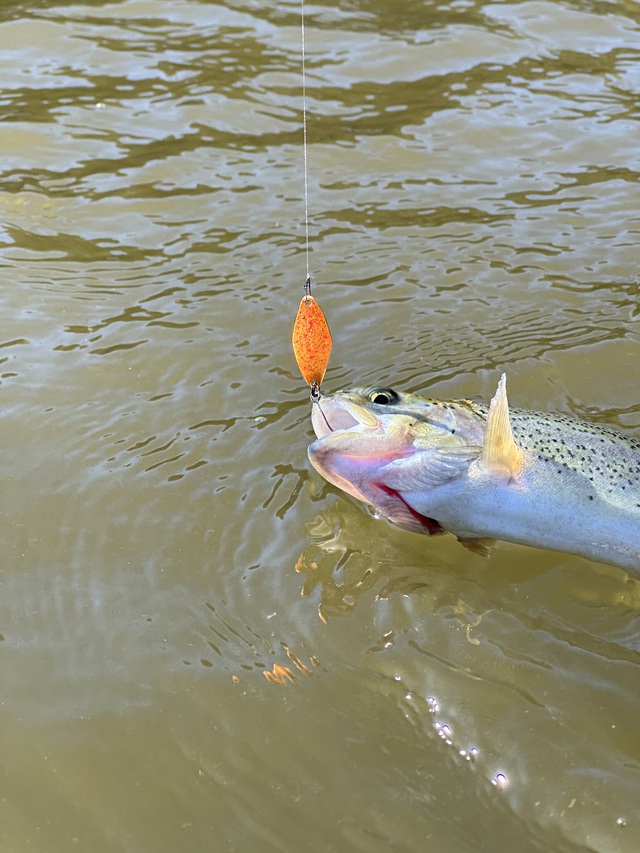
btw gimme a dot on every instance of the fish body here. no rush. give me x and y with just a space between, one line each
484 472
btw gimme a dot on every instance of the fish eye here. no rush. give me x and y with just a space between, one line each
383 396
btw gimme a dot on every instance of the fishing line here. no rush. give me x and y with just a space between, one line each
311 337
304 145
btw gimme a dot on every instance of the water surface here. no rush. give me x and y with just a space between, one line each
204 646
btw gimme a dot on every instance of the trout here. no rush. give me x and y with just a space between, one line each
484 473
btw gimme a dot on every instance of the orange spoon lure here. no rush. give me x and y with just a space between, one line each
311 340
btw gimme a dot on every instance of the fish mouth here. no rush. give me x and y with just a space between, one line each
351 449
333 414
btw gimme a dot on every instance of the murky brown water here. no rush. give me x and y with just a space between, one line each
474 207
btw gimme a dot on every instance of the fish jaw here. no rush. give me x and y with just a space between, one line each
359 475
354 449
351 449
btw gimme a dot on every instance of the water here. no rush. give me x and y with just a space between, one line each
204 647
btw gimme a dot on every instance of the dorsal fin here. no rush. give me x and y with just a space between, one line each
500 454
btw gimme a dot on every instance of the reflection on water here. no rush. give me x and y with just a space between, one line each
200 640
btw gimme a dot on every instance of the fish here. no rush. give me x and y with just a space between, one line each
484 473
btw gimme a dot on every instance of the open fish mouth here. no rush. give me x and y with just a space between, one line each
350 451
334 414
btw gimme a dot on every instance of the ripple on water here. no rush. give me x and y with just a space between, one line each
200 639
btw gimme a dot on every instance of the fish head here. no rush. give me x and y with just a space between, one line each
381 447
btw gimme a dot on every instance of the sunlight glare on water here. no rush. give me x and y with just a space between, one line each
204 646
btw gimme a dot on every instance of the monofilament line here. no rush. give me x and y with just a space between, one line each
304 141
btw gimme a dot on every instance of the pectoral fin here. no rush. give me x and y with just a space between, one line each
500 454
483 547
430 467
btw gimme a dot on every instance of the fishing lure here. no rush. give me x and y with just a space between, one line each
311 340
